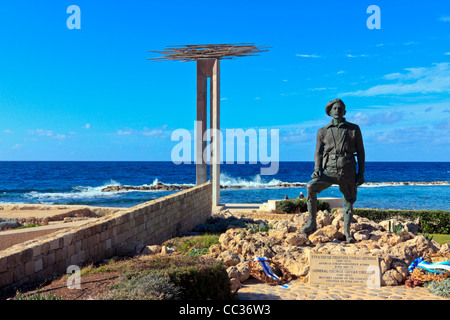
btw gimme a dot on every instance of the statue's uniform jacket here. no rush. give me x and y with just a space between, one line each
337 146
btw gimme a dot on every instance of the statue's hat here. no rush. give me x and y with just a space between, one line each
331 103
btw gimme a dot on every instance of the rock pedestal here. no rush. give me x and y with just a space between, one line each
285 244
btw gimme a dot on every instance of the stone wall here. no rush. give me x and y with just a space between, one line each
149 223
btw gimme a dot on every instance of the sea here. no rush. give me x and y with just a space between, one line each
390 185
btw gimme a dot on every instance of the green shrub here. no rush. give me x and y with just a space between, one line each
441 288
152 286
203 281
287 206
300 205
198 278
430 221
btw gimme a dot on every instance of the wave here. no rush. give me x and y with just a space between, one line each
76 193
113 190
255 182
407 183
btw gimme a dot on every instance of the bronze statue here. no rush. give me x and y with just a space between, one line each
337 145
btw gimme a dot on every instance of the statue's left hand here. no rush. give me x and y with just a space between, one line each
359 178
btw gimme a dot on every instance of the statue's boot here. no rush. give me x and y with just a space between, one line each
348 215
311 224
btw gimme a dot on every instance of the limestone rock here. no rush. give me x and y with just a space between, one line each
361 235
233 272
323 219
235 285
326 234
389 278
224 239
244 271
128 249
389 239
167 250
8 224
445 249
149 250
296 239
229 258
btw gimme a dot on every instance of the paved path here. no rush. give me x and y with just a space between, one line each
11 237
253 289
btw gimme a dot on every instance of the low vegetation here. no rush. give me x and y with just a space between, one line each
430 221
299 205
172 277
186 274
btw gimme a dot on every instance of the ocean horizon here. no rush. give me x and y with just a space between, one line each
390 185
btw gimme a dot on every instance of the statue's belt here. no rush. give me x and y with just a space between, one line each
334 156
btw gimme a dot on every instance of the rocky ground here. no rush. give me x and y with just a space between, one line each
281 241
278 237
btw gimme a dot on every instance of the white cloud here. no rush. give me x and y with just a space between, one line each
8 131
321 89
410 43
434 79
146 132
87 126
59 136
151 132
16 147
356 56
125 132
368 119
307 55
445 18
447 53
47 133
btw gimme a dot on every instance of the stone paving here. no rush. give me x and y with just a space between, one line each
253 289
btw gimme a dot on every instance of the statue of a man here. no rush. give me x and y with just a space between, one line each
337 145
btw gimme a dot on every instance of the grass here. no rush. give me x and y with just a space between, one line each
257 227
440 238
196 245
36 296
31 225
111 266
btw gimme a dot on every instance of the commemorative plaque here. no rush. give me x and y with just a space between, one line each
345 270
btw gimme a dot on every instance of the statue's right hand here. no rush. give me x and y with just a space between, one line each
317 174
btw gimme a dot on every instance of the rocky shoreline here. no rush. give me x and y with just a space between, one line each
177 187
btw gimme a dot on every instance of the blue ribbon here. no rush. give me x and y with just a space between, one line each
421 263
267 269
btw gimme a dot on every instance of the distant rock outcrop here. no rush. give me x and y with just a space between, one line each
175 187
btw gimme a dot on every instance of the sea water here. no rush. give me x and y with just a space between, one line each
81 183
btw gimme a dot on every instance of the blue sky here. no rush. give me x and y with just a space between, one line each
91 94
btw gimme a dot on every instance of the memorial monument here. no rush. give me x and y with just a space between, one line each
338 143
